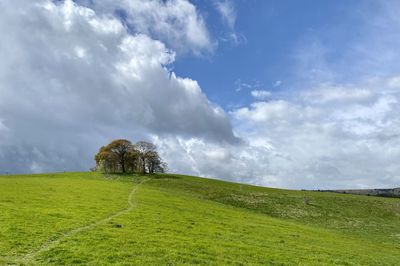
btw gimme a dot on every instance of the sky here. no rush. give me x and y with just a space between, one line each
290 94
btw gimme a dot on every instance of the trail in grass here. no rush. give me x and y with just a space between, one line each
54 241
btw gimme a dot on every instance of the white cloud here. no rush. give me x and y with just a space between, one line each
394 83
176 22
240 85
339 94
266 111
227 11
260 94
240 163
352 143
277 83
71 79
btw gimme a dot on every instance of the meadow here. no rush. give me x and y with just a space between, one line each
165 219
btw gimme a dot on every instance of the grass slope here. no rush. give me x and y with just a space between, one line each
171 219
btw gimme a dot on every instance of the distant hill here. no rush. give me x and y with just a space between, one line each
96 219
384 192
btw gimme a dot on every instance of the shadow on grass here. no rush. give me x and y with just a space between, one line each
163 176
138 177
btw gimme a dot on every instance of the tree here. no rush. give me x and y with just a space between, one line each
145 149
122 156
132 160
120 148
105 160
114 156
153 161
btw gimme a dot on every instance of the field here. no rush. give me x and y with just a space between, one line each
92 219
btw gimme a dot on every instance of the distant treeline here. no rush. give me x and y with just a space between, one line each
380 192
122 156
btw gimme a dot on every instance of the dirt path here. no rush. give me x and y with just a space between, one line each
56 240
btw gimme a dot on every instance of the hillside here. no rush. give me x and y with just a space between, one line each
88 218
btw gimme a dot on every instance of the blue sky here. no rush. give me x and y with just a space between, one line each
271 33
294 94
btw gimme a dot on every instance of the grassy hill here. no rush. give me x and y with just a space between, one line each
93 219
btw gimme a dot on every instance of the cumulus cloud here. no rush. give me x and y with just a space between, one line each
72 78
351 143
176 22
320 138
247 162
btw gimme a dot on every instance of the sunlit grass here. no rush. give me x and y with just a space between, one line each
187 220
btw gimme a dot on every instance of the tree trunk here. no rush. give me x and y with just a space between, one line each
123 166
143 166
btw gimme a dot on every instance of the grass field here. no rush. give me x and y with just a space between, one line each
91 219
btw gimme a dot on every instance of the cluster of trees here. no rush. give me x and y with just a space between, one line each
122 156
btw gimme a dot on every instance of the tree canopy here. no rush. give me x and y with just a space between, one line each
122 156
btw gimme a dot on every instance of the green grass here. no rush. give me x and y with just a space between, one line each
187 220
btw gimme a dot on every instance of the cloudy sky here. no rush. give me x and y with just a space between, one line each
293 94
